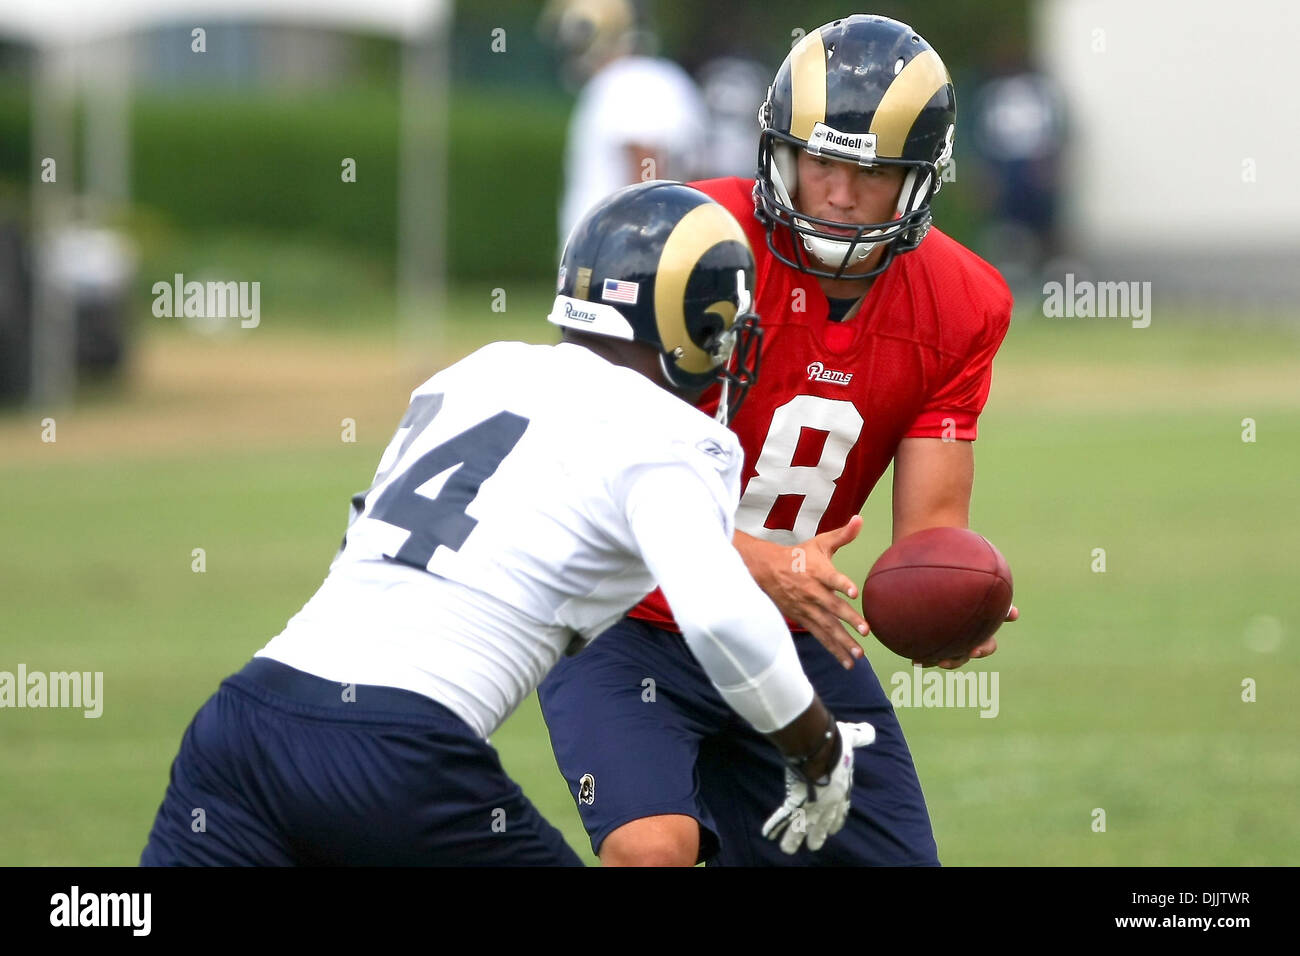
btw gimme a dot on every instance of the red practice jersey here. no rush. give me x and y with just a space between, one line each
834 399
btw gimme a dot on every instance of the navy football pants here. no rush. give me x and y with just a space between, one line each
279 769
639 731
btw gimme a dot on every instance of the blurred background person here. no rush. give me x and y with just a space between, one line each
1019 135
638 117
733 89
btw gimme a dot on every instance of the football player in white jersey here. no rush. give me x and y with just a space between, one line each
637 117
531 495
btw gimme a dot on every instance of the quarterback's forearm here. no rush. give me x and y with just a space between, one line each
933 480
756 553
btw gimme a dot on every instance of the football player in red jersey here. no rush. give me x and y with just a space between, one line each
879 336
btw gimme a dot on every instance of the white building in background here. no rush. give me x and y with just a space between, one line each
1185 133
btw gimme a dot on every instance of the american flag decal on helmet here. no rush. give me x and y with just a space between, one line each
616 290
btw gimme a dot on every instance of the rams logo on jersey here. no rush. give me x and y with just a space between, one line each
587 789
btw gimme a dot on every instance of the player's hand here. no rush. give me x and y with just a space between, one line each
805 585
816 810
978 651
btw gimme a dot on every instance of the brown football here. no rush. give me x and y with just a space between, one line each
936 594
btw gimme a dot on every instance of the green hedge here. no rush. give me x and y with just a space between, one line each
217 162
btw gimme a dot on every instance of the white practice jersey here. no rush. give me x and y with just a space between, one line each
635 100
533 493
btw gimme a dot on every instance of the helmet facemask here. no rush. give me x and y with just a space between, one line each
740 370
734 352
828 254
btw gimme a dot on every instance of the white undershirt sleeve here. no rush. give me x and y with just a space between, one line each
730 625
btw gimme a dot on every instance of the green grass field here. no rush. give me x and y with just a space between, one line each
1119 690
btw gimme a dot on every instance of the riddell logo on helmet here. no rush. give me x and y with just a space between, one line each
817 372
861 146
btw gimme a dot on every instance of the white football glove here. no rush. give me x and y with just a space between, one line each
820 813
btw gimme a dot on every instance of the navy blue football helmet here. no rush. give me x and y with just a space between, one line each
664 264
868 90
